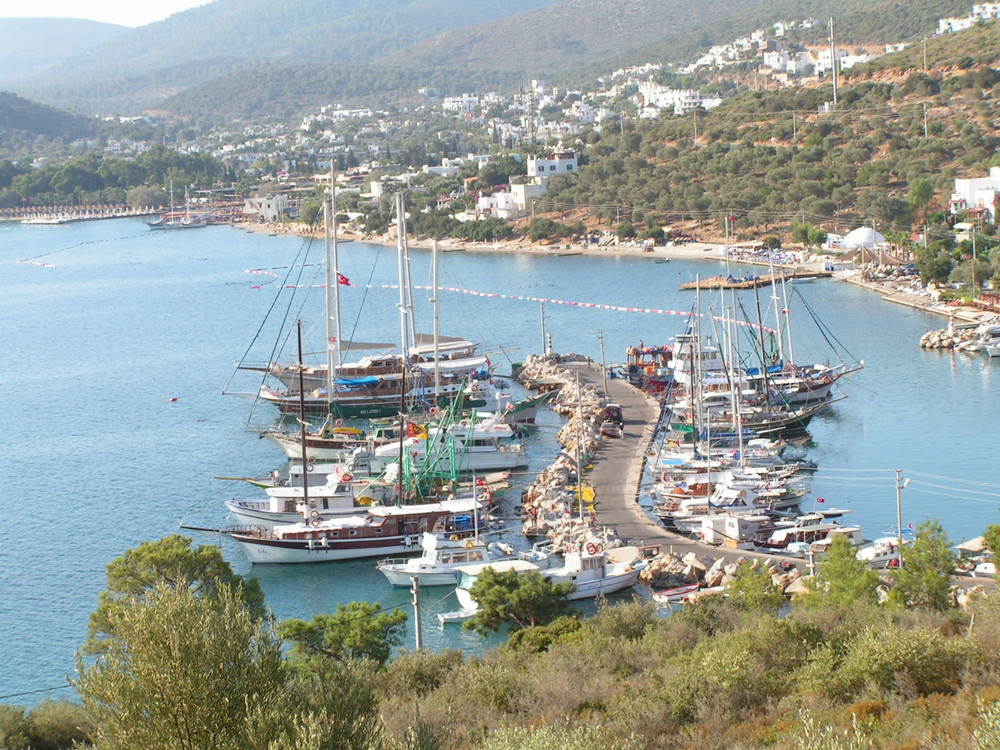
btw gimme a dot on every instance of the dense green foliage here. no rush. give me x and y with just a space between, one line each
172 562
515 599
96 178
358 630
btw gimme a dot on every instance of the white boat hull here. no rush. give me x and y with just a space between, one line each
263 551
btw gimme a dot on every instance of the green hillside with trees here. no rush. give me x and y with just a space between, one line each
23 124
888 154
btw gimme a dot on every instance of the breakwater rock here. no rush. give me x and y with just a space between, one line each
669 570
948 338
553 506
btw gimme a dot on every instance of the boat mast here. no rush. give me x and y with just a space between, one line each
332 339
302 428
404 330
760 336
437 321
337 337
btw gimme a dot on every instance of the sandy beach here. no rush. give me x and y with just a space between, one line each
686 251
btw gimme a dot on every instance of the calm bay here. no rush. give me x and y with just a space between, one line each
120 320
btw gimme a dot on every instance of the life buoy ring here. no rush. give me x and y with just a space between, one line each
347 476
314 514
474 387
433 411
591 548
469 544
315 521
339 423
310 466
453 538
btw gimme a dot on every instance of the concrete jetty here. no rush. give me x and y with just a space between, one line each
618 470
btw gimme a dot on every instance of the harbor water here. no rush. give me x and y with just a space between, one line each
118 343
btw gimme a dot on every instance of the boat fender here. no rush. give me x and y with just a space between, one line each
469 544
591 548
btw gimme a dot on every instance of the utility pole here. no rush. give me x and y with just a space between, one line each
925 120
604 365
900 484
695 145
418 631
795 135
973 262
925 54
833 64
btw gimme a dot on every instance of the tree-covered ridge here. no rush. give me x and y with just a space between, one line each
18 115
97 178
30 45
230 35
770 157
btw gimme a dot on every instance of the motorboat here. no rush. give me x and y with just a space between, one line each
441 559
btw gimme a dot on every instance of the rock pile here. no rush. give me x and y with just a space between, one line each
669 570
548 506
947 338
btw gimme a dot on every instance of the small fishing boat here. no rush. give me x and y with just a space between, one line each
676 593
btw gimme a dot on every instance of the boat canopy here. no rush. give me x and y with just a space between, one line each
358 382
752 371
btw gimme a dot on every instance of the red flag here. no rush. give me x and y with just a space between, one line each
820 500
341 279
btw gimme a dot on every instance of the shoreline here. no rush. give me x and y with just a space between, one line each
890 291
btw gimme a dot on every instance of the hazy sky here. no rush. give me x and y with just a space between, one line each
124 12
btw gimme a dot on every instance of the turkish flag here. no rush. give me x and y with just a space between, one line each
341 279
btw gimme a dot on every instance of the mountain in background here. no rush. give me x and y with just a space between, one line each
32 46
20 119
257 58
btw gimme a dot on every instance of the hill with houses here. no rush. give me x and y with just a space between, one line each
258 59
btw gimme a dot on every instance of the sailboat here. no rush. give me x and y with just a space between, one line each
170 220
425 376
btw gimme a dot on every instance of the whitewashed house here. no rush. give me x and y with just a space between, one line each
976 193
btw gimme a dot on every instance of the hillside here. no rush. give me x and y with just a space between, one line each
772 159
32 46
147 64
21 120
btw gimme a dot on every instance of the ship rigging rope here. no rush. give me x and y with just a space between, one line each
823 329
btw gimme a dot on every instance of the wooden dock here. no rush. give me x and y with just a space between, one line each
753 282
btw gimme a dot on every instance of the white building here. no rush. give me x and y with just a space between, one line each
978 192
462 105
555 163
268 207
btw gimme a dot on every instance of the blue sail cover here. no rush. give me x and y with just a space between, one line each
357 382
752 371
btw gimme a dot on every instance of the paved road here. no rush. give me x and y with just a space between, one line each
618 472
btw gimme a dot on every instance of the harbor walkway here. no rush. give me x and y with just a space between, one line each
619 466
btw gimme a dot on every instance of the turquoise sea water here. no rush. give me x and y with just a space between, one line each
97 457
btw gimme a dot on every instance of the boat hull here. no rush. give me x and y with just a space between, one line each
281 551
